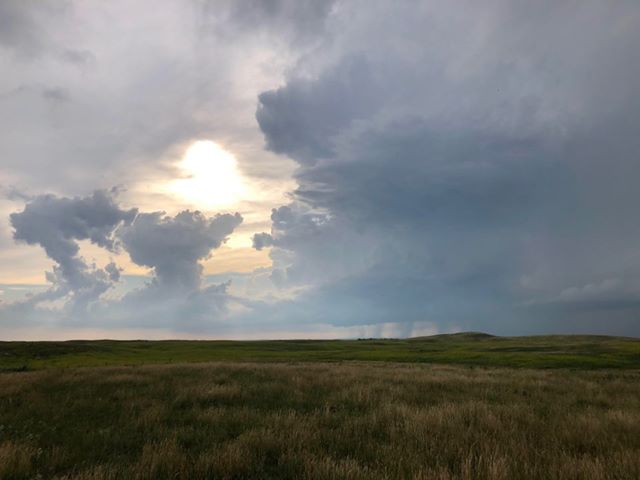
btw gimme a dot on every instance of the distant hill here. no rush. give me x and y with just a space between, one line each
460 336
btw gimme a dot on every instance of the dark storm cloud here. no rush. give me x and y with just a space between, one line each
300 119
474 190
174 246
410 172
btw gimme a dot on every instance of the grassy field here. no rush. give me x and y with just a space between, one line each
368 409
358 420
569 351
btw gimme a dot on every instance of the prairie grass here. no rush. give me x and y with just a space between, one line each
552 351
355 420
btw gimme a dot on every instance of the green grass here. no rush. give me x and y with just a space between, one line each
544 407
554 351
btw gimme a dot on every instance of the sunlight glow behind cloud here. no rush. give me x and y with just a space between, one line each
211 177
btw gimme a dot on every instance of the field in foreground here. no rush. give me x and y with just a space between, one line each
478 349
358 420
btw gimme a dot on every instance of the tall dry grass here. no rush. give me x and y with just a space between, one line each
319 421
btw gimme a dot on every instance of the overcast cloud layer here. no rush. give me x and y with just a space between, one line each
457 166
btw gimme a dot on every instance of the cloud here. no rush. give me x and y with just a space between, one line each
56 94
199 310
457 166
477 149
57 224
295 21
174 246
17 22
262 240
21 25
300 119
79 58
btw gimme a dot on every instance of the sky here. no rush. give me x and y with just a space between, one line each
258 169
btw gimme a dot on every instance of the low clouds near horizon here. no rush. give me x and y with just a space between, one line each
410 168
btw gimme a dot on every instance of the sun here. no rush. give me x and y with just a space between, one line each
211 178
